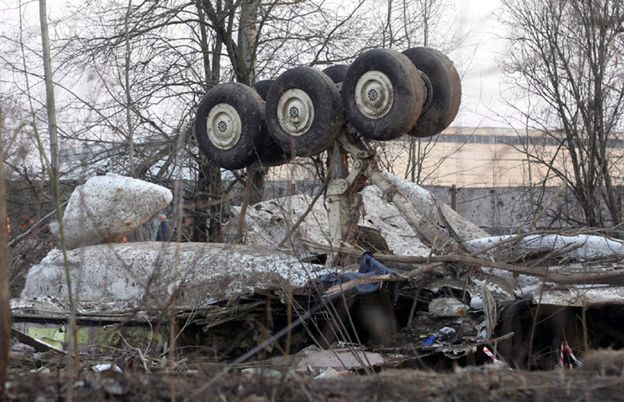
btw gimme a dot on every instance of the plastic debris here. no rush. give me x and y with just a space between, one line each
567 357
320 360
332 373
429 341
448 307
99 368
369 267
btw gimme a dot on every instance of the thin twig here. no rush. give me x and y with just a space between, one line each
318 194
34 225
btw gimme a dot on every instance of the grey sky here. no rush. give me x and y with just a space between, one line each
482 82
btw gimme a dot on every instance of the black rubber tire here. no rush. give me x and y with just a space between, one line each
328 116
337 73
271 154
262 87
443 103
250 108
408 92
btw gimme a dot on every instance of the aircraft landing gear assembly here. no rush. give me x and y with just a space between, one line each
381 96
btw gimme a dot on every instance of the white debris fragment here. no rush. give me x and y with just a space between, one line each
106 208
316 359
448 307
99 368
434 210
149 272
332 373
392 225
580 247
476 302
581 297
268 222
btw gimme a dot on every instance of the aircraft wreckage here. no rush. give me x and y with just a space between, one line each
370 263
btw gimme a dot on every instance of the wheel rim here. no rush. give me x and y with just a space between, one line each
295 112
374 94
224 126
429 92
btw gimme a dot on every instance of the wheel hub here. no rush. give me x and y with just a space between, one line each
295 112
374 94
224 126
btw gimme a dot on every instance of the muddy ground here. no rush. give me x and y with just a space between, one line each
208 383
46 378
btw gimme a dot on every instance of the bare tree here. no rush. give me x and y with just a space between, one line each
566 56
54 181
179 50
419 23
128 59
50 100
5 311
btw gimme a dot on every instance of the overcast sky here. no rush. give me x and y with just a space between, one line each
483 98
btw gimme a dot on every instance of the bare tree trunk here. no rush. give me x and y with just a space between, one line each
256 174
577 46
247 38
415 148
207 214
50 103
388 28
54 178
127 62
209 188
5 312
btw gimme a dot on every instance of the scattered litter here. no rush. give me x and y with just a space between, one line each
332 373
368 268
456 287
446 332
443 335
263 371
448 307
429 341
39 345
319 360
491 355
476 303
99 368
496 362
112 386
566 356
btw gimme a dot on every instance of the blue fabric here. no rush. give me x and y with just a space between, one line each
368 267
429 341
163 232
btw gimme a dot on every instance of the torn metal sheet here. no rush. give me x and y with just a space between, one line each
39 345
56 337
338 359
525 286
435 211
579 247
268 222
581 296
